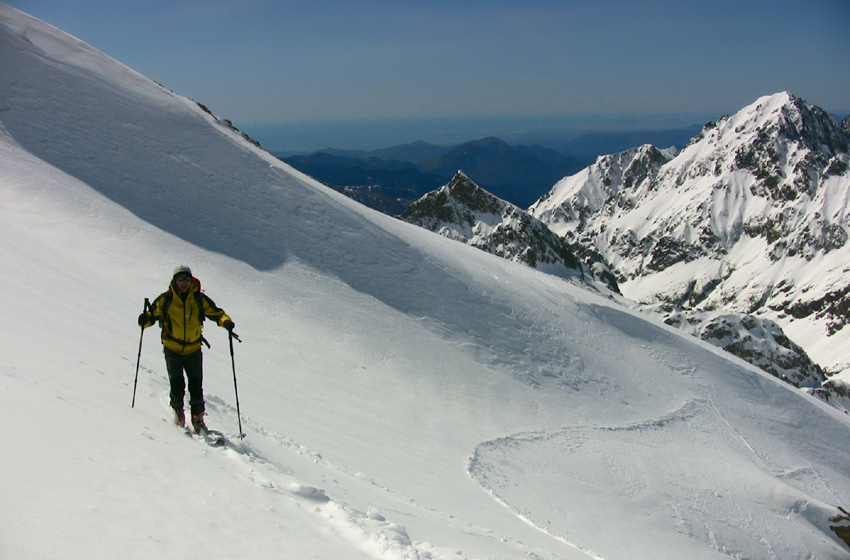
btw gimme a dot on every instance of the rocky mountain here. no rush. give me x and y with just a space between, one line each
750 217
463 211
757 340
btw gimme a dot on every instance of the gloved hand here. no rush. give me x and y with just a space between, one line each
144 319
228 325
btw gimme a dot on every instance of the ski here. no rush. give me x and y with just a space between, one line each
213 438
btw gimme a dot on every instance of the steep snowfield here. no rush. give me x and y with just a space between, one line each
404 395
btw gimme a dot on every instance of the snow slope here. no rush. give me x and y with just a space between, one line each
404 395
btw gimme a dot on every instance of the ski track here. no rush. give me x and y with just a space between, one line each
369 531
481 479
370 525
524 518
708 512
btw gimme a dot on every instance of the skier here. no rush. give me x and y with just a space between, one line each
181 311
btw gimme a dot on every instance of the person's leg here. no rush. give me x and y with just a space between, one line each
174 365
194 365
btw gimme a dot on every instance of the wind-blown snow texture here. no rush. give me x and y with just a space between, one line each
405 396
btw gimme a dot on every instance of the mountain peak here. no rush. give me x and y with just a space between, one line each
780 98
463 211
772 106
453 203
790 118
738 220
460 177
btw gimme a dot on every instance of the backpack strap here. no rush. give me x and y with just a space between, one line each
199 299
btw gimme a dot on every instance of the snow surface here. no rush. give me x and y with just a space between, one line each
403 395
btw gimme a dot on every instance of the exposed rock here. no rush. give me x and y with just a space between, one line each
756 340
463 211
750 217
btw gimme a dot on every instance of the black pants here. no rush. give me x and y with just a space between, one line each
193 365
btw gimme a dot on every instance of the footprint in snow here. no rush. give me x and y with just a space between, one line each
309 492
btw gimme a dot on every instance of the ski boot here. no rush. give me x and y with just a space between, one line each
198 423
179 418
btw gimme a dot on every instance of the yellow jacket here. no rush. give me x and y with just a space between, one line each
182 319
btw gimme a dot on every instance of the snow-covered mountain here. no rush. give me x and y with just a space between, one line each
751 217
404 396
463 211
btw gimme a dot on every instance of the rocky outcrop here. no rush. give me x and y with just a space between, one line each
463 211
751 217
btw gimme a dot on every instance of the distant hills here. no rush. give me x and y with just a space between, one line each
387 185
390 179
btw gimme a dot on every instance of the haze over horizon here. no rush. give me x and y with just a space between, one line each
378 73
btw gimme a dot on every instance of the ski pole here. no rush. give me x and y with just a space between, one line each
233 335
139 357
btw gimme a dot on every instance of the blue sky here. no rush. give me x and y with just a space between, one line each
261 61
